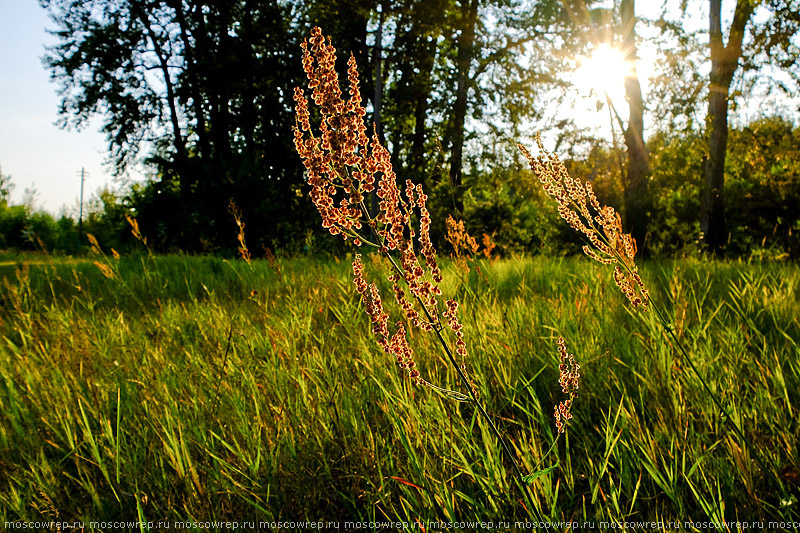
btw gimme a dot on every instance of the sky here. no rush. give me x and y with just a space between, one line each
39 155
33 150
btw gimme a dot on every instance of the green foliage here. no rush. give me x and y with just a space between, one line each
24 229
105 219
213 82
677 178
66 235
5 188
762 191
13 225
173 388
505 202
211 85
516 216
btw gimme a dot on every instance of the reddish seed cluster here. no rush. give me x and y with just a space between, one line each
374 308
406 305
563 414
393 209
569 379
601 225
451 314
426 246
458 237
397 345
373 305
343 166
628 285
358 275
334 160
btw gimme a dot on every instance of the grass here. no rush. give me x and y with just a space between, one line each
172 391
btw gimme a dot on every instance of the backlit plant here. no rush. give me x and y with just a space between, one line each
344 166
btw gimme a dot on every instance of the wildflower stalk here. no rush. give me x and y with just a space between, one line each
671 332
473 394
342 164
609 245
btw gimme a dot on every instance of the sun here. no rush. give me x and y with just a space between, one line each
603 73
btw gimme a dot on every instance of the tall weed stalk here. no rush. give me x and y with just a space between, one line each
344 167
607 244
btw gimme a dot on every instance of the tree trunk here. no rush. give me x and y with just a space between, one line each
224 133
177 135
422 92
469 18
248 115
637 196
193 80
712 220
211 42
724 62
181 164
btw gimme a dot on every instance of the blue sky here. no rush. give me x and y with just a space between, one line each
34 151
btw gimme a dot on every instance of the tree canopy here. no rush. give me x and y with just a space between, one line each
200 93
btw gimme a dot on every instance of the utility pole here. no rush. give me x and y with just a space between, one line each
80 215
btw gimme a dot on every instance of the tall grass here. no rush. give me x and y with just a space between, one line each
187 387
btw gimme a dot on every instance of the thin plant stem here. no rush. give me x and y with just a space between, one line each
438 329
474 396
611 254
345 217
224 372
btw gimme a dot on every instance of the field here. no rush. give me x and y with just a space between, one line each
178 388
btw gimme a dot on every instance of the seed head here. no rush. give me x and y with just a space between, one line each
343 166
569 379
600 225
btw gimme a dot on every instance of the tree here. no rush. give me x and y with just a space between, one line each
412 57
586 26
763 186
771 44
484 59
203 90
467 20
637 195
724 62
446 69
6 186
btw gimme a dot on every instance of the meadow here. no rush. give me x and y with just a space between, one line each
184 387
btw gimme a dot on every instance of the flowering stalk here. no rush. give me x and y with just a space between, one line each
343 166
601 225
569 379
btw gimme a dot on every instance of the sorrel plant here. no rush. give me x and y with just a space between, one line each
608 245
344 166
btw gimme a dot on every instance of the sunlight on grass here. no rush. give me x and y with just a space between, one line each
177 389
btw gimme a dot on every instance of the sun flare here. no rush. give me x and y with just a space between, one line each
603 73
